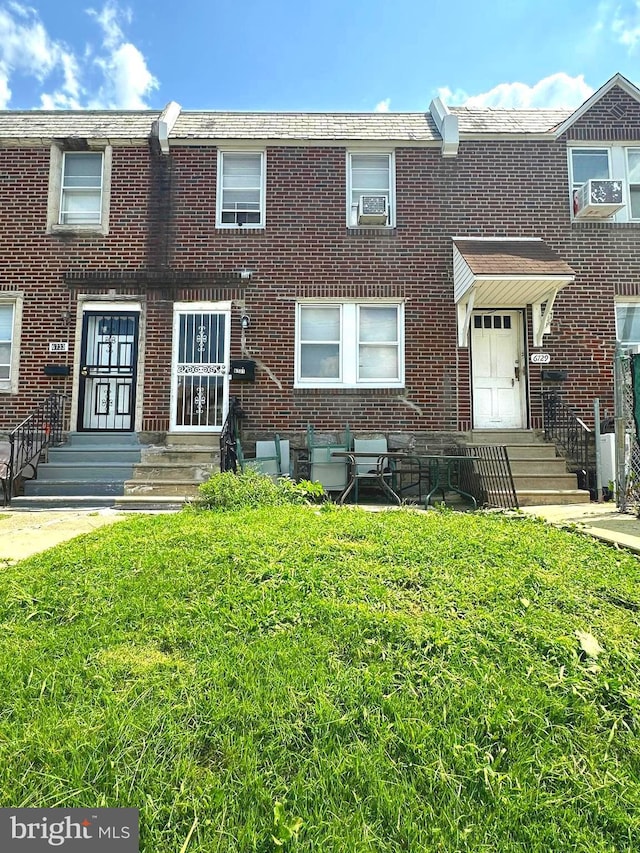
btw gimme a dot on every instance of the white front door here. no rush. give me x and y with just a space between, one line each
200 367
498 370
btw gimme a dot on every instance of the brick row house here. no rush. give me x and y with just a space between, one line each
419 276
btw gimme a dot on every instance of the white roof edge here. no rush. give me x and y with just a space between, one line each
543 276
447 125
617 80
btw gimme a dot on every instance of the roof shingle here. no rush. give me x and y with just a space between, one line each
511 257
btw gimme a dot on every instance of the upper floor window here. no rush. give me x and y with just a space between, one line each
241 189
10 323
370 190
605 183
79 190
349 344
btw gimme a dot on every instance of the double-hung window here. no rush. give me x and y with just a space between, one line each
349 344
371 189
241 189
81 191
10 322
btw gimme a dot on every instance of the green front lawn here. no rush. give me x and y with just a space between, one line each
399 681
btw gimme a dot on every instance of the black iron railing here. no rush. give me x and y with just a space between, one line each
488 476
571 435
229 436
30 438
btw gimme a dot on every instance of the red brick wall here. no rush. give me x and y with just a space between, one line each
493 189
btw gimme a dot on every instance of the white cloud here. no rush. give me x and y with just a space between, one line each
383 106
558 91
625 24
126 78
114 75
27 49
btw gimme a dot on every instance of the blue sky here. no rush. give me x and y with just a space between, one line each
327 55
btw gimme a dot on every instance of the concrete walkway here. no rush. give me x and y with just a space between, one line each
23 533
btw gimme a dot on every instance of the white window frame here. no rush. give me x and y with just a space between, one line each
618 157
352 213
222 153
56 180
636 150
349 343
9 385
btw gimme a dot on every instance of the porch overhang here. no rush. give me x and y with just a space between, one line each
502 273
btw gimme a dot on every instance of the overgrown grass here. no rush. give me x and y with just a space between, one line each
398 681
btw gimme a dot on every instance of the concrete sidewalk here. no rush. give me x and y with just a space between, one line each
603 521
23 533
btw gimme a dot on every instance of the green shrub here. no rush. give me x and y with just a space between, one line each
229 491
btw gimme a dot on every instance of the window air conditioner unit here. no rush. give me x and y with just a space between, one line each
597 199
372 210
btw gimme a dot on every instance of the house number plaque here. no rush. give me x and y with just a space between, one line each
58 346
540 358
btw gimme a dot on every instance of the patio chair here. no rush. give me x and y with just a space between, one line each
367 467
268 458
330 472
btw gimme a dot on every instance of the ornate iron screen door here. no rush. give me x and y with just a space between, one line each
107 370
200 386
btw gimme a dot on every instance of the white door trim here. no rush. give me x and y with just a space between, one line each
498 369
191 407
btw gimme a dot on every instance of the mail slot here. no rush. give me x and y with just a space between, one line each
554 375
57 370
244 370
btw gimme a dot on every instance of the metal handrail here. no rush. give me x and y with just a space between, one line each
489 478
40 430
564 427
230 435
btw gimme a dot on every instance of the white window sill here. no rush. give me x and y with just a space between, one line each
360 386
78 229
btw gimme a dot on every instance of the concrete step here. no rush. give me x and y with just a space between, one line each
527 482
67 455
556 466
57 502
506 436
75 471
531 451
170 471
102 439
67 488
146 488
205 440
550 497
181 456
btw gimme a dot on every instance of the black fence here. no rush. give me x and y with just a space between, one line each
43 428
488 476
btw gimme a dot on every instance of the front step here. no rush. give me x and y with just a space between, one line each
553 497
90 469
540 476
175 469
